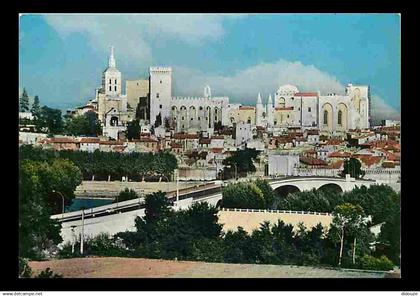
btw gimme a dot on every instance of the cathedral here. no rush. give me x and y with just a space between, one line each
151 101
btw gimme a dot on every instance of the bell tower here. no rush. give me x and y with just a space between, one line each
111 77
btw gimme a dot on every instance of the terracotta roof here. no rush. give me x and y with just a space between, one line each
181 136
147 140
306 94
340 154
111 142
90 140
388 164
62 140
216 150
312 132
246 108
312 161
334 142
205 141
369 160
176 145
283 108
337 164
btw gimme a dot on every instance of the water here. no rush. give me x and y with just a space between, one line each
87 203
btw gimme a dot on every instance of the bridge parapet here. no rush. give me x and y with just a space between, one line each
275 211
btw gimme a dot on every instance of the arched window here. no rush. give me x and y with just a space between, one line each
340 115
249 120
325 117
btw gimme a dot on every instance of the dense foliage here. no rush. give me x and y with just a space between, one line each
240 163
126 194
40 185
24 101
87 124
195 234
353 167
133 129
108 165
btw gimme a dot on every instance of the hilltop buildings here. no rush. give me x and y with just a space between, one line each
152 102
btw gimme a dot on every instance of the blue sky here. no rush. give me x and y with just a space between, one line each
61 57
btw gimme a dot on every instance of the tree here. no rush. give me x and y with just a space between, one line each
38 201
87 124
352 167
243 196
50 119
267 191
24 101
348 218
241 161
133 130
126 194
35 106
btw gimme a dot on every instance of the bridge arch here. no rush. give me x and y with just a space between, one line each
331 187
284 190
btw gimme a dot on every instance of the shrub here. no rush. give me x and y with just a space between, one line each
373 263
48 273
126 194
24 268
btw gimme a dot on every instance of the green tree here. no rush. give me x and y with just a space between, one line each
24 101
126 194
241 162
353 167
37 202
347 220
267 191
35 106
87 124
133 130
243 196
50 120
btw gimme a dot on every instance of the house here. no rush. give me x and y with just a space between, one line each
89 144
62 144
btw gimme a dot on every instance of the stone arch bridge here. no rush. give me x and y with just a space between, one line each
120 217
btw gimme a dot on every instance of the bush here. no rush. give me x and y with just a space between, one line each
48 273
24 268
373 263
243 196
126 194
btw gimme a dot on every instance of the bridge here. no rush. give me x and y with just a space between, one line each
120 216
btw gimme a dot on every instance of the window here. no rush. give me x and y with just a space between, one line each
115 88
192 119
198 118
288 115
157 95
110 88
201 107
182 118
340 116
299 109
160 106
215 118
161 82
309 109
115 81
325 117
110 81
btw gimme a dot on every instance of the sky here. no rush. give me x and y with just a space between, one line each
62 56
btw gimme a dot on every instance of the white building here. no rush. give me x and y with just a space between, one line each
282 164
243 133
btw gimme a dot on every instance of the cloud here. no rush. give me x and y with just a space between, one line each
132 34
381 110
244 86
